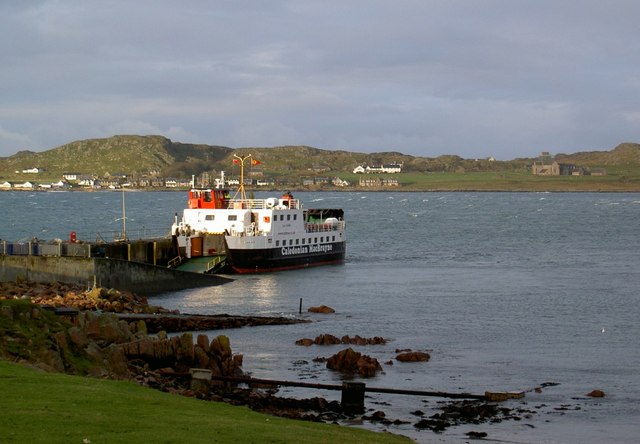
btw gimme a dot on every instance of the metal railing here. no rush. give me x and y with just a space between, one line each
259 204
322 227
215 262
62 249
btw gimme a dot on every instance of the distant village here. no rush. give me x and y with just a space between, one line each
373 176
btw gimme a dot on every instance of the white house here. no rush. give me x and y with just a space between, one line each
87 181
5 185
71 176
33 170
339 182
24 186
387 168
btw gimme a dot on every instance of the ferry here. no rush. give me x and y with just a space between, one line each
223 234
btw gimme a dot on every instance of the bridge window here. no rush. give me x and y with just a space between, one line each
210 217
233 217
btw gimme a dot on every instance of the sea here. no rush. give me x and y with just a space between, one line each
507 292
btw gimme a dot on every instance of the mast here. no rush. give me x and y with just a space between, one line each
240 160
124 218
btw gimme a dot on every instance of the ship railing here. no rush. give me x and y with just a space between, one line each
323 227
261 204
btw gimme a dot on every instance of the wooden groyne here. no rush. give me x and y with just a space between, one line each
172 323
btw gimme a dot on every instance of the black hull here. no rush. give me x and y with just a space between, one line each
286 258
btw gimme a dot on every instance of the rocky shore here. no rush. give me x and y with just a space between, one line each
106 333
129 307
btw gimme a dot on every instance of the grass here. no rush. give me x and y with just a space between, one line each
516 181
43 407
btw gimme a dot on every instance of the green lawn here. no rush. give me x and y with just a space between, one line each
511 181
40 407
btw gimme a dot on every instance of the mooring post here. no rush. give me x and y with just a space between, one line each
200 380
353 397
300 309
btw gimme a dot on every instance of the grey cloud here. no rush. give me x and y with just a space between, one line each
475 78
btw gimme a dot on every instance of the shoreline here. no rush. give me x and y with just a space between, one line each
345 190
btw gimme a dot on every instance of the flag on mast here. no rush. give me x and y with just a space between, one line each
255 162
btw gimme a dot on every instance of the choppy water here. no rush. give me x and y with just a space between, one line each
506 291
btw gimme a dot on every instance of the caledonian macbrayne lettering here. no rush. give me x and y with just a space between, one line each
287 251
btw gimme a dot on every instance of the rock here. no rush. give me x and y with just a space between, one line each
596 393
221 347
476 435
184 350
351 361
413 357
201 358
203 342
78 337
326 339
117 364
321 309
105 329
376 416
358 340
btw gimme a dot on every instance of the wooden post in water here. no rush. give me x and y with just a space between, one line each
300 309
353 397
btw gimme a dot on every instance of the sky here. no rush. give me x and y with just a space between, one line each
476 78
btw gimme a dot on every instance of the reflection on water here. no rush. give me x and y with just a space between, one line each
247 295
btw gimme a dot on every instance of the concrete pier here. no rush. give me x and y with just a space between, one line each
111 273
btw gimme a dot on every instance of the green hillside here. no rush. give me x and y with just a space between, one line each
625 154
143 155
117 154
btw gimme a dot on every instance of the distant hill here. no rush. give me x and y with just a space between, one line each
118 154
624 154
138 155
